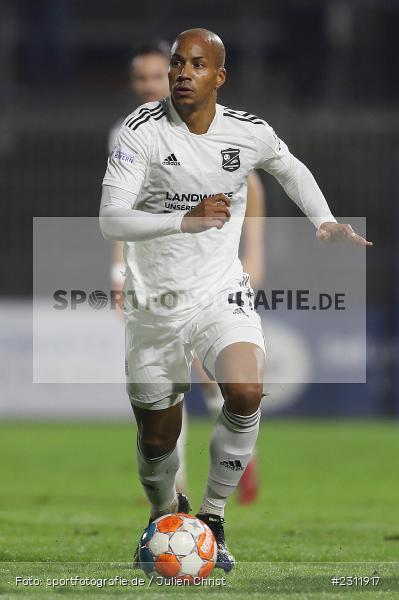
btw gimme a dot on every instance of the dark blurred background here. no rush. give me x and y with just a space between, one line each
324 74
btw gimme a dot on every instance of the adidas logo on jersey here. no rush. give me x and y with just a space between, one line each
171 160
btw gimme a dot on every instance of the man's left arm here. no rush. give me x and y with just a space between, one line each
300 185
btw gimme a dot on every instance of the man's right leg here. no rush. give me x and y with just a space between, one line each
158 374
157 456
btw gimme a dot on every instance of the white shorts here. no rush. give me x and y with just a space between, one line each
159 352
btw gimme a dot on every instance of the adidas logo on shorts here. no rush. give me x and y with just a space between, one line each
171 160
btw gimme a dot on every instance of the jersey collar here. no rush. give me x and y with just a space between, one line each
176 120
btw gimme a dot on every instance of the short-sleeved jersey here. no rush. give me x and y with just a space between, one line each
170 169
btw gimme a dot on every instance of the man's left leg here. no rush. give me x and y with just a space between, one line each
239 371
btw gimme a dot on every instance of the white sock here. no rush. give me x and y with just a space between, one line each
232 444
181 479
157 476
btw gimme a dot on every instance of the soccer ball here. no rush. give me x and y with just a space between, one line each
178 547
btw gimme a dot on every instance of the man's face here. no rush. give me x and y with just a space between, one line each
194 74
149 77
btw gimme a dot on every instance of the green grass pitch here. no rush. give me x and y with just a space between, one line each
70 505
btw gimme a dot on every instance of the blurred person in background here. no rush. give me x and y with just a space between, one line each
148 82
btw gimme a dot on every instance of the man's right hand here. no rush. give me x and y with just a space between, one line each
211 212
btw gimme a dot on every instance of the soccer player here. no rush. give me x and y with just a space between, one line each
148 82
175 192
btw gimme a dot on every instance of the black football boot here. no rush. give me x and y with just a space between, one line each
224 559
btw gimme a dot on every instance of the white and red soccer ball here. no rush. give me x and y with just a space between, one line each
178 547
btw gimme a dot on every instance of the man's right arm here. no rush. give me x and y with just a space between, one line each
119 220
126 170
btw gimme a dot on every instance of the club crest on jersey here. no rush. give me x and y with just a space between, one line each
230 159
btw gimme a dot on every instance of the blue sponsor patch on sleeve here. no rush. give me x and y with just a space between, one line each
119 154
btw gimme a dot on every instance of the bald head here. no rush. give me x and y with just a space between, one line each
209 40
196 70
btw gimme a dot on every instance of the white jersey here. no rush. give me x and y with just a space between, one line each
168 169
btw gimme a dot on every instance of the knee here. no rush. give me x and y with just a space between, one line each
242 398
154 444
158 430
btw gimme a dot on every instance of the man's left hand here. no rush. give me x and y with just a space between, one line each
338 232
